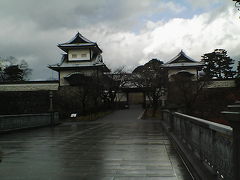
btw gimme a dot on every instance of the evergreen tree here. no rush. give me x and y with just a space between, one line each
218 64
13 70
152 77
237 80
238 70
13 73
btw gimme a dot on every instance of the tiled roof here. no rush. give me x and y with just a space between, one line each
183 64
77 39
182 60
77 45
81 64
181 57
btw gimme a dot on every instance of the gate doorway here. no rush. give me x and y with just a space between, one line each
135 98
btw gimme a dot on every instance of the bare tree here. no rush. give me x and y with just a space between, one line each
185 91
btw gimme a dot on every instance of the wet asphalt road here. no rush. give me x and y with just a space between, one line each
117 147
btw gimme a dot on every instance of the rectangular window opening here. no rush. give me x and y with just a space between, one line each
74 55
83 55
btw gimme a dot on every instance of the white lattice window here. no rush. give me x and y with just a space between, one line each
83 55
74 55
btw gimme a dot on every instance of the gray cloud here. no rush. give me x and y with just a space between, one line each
206 4
129 32
77 13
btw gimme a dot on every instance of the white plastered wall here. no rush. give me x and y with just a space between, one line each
81 54
175 71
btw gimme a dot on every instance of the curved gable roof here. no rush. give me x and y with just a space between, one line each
77 39
181 58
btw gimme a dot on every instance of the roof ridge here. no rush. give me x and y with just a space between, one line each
178 55
78 35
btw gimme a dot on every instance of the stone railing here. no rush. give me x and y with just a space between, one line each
206 146
23 121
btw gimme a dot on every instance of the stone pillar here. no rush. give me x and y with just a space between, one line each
233 117
51 108
50 101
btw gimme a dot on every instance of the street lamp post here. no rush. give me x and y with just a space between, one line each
105 95
51 108
163 96
50 101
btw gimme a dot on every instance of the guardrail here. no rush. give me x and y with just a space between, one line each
23 121
206 146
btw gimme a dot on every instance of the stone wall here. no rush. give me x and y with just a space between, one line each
225 83
206 147
24 121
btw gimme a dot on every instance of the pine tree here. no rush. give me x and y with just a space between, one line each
11 69
152 77
218 64
13 73
238 70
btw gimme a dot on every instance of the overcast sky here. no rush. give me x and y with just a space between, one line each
130 32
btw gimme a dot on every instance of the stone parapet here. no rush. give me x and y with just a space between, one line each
24 121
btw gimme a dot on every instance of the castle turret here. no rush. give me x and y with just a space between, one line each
183 64
82 57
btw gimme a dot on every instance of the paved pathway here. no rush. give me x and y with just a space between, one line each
118 147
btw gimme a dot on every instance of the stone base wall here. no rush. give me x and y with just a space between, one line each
24 121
